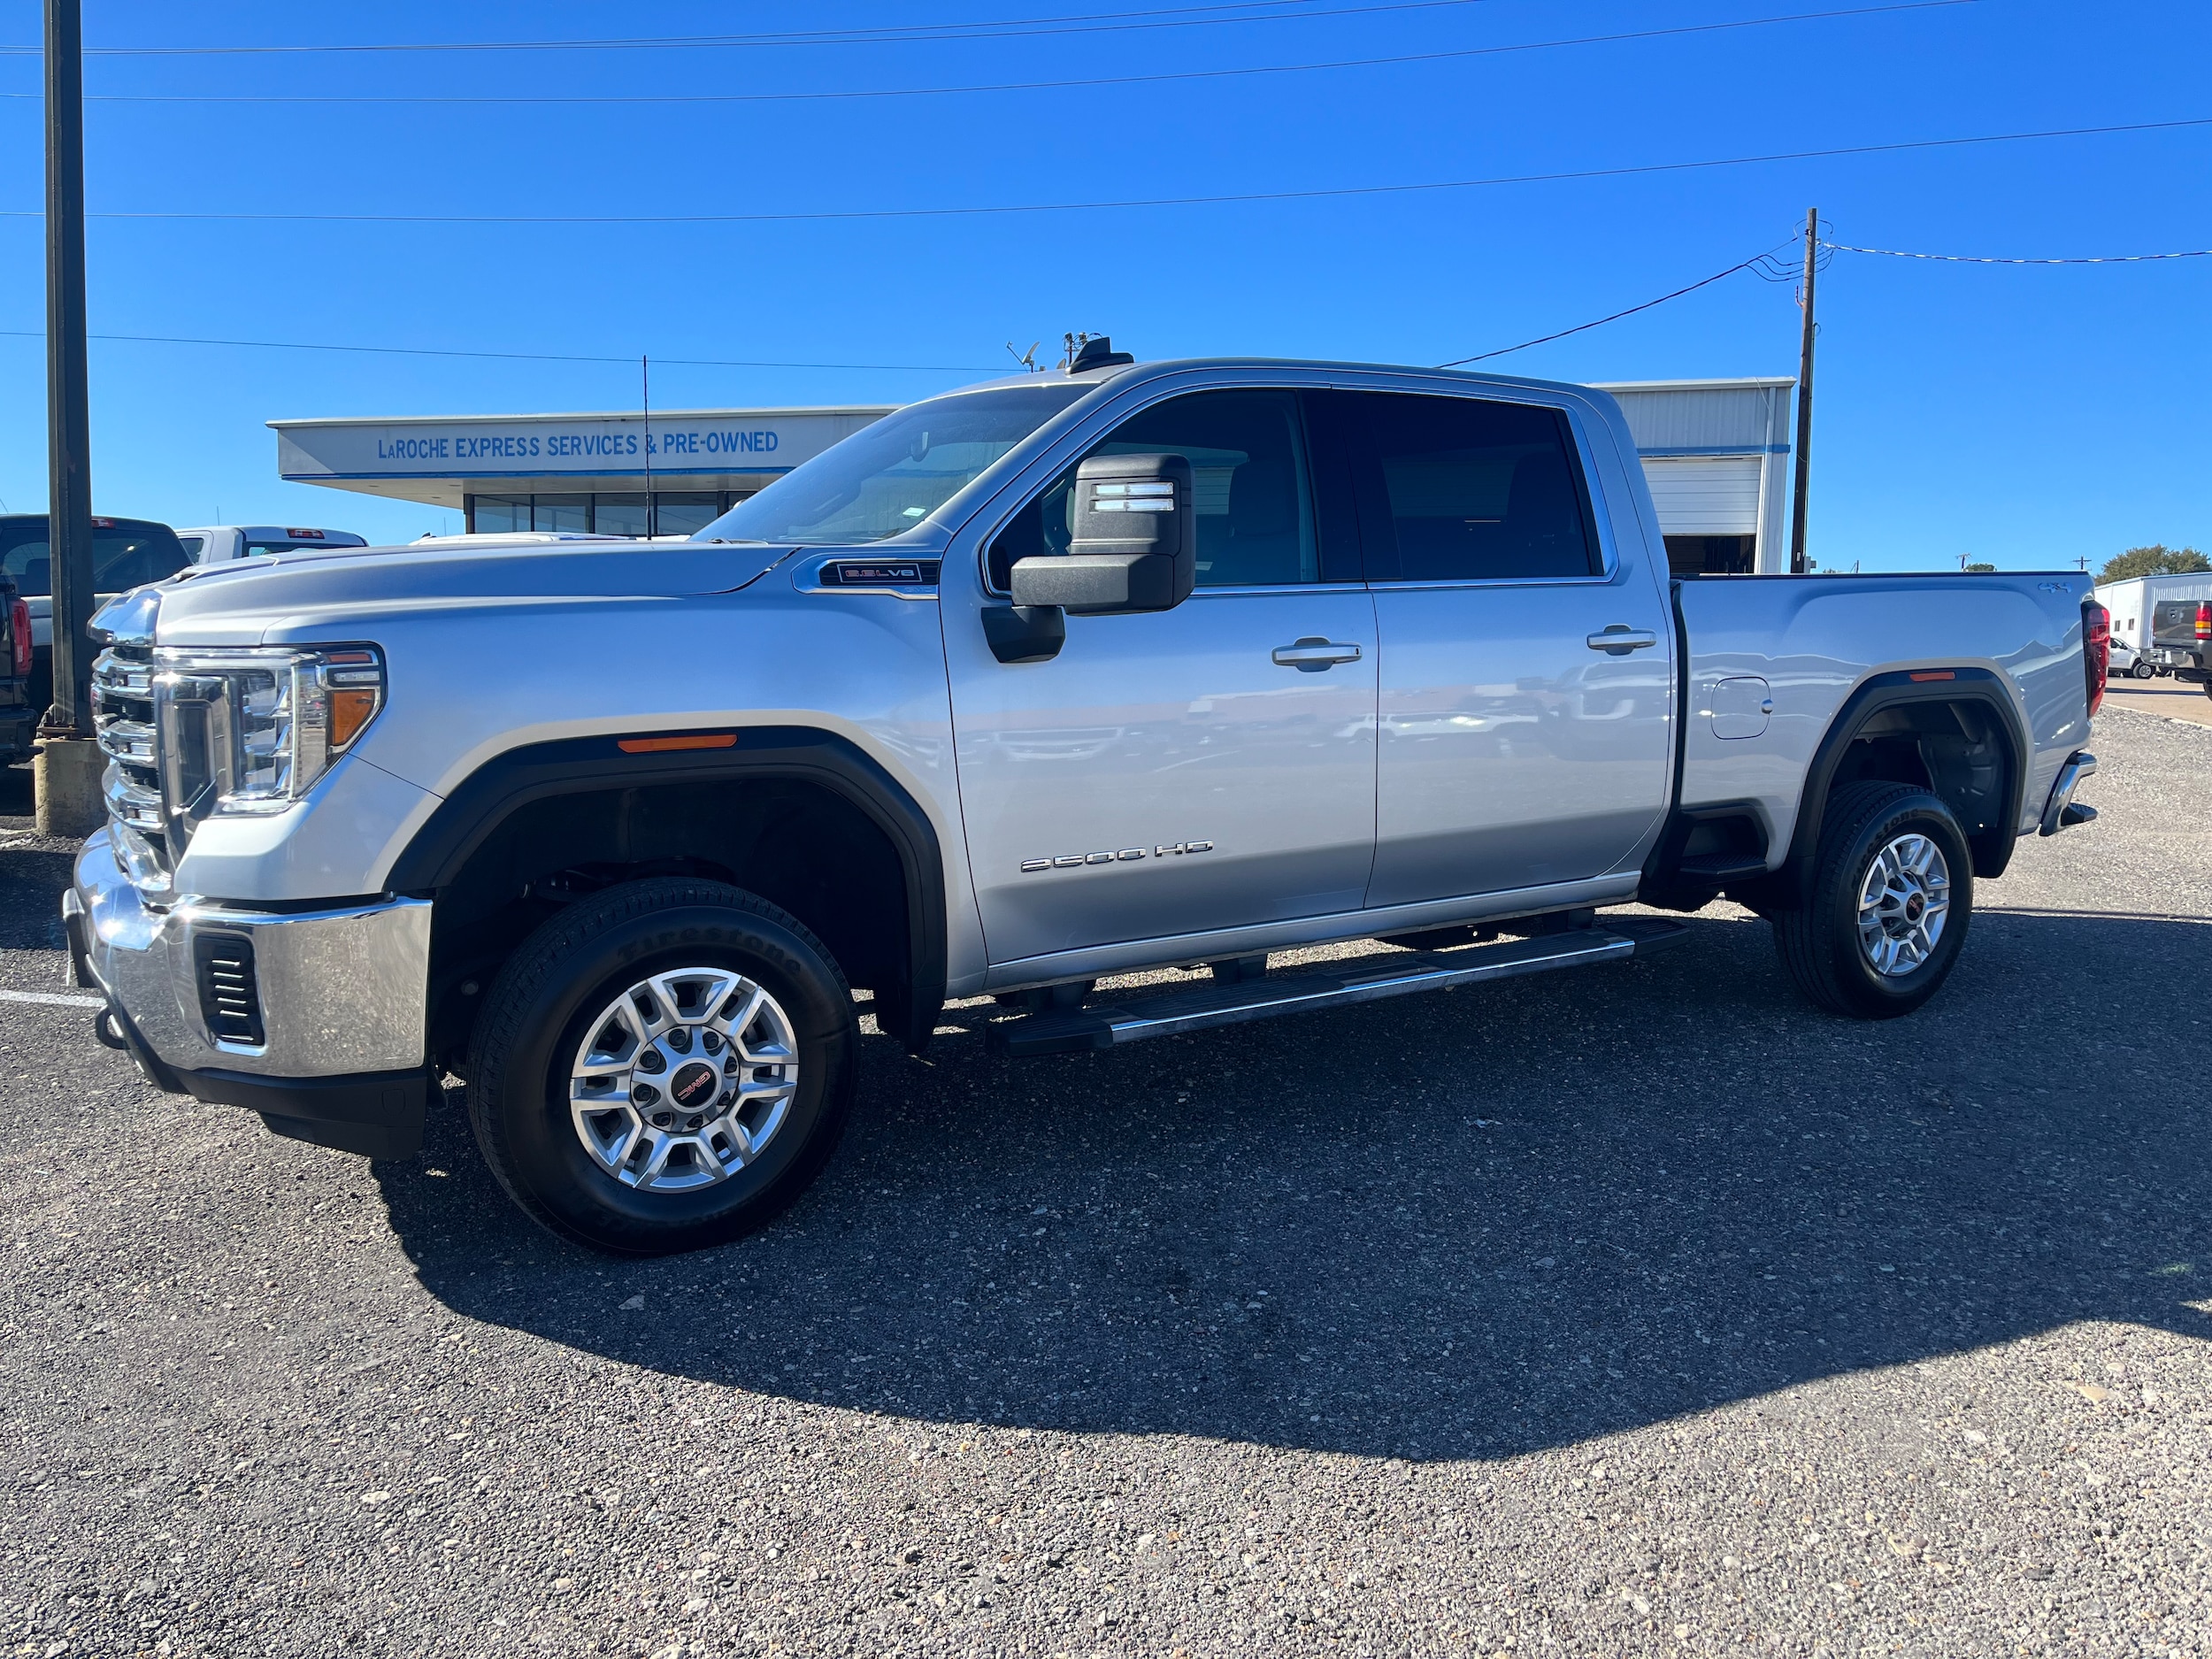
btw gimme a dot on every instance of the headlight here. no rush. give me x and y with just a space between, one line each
249 732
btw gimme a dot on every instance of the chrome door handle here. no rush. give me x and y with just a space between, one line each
1314 656
1619 640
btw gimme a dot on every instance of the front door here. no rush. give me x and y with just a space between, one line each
1526 691
1208 767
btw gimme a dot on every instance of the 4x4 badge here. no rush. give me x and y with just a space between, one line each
1127 855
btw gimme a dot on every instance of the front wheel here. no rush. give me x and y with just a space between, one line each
663 1066
1886 911
2144 669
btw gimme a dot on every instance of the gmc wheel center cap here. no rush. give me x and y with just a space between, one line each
694 1085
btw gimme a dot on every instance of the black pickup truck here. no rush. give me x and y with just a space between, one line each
2181 639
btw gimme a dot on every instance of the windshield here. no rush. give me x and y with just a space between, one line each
889 477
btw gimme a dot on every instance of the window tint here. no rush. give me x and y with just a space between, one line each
1477 490
1248 484
121 558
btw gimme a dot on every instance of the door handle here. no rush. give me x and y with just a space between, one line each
1313 655
1619 640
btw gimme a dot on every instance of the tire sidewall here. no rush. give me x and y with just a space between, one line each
1844 873
538 1139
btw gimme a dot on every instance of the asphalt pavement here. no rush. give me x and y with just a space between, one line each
1637 1311
2176 699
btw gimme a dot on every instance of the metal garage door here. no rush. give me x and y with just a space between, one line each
1705 495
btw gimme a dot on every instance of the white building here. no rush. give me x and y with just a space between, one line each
1716 454
1716 451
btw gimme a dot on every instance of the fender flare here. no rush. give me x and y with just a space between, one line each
538 771
1880 693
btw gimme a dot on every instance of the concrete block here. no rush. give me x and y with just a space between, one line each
66 777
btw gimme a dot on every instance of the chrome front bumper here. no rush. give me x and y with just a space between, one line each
342 991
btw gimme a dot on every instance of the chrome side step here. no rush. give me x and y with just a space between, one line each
1110 1024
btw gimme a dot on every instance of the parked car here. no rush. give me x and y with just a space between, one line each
126 552
1019 688
2129 663
214 543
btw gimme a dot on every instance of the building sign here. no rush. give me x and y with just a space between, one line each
703 442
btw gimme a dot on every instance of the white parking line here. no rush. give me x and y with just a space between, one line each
54 998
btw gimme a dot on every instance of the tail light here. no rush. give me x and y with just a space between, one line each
2204 622
19 636
2096 648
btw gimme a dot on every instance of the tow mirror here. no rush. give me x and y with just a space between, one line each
1135 541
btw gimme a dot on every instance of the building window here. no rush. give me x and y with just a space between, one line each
498 512
620 515
676 513
686 513
560 513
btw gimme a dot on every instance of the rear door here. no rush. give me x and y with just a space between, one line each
1526 690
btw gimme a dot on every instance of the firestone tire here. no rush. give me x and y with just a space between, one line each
1860 945
551 1012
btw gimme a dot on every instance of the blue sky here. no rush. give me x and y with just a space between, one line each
2026 415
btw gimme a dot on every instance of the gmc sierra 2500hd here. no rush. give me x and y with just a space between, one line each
1019 688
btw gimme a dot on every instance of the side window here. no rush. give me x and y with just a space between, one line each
1477 490
1253 499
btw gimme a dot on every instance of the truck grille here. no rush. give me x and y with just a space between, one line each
123 717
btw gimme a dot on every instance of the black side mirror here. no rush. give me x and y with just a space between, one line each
1136 543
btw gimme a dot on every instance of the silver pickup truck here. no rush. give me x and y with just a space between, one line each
1135 667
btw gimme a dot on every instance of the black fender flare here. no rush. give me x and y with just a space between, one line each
579 765
1879 693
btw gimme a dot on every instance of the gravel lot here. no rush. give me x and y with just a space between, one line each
1632 1311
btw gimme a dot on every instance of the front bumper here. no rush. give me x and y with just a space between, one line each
338 995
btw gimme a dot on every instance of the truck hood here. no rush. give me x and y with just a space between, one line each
293 597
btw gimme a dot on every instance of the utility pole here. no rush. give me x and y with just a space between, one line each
1804 399
67 775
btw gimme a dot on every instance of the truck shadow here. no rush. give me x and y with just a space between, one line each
1461 1225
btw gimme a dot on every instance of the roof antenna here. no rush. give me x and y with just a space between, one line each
1028 359
1092 351
645 388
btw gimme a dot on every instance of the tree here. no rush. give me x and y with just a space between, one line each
2156 560
1978 569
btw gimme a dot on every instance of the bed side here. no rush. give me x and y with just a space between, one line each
1816 640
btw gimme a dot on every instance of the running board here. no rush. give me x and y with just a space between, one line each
1109 1025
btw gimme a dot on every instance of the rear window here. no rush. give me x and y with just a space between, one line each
124 556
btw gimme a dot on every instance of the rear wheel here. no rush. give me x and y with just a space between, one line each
663 1066
2144 669
1886 911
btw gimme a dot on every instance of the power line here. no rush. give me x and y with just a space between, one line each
1007 86
510 356
1568 176
1962 258
1014 29
1579 328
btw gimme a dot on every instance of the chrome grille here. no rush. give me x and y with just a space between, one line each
123 717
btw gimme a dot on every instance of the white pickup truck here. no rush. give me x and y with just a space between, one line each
1018 690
